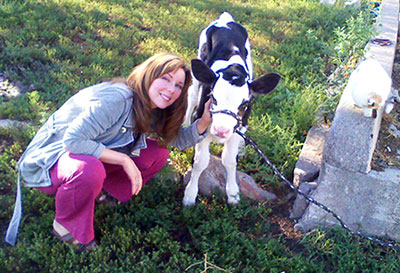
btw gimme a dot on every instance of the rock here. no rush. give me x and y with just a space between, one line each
310 159
250 189
290 195
394 129
214 177
9 89
347 3
353 3
300 204
330 2
5 123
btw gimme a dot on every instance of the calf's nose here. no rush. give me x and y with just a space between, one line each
220 131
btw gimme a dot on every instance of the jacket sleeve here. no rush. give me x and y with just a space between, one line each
188 137
104 109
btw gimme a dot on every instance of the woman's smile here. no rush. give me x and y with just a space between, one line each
165 90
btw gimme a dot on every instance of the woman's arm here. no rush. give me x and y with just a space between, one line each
130 168
205 119
193 134
104 109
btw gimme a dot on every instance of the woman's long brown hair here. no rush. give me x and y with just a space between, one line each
165 123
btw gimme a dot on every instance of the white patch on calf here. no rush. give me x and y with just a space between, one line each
223 21
235 59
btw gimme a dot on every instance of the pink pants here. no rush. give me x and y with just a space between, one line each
78 179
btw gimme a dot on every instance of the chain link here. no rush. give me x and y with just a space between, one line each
312 200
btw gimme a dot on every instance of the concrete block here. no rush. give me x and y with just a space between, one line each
387 28
367 203
352 137
310 159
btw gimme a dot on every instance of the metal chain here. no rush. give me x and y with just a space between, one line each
312 200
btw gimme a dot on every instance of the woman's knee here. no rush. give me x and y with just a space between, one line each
89 170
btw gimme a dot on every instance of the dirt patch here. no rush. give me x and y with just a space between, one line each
282 226
387 151
8 88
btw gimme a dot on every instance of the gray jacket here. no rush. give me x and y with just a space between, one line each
95 118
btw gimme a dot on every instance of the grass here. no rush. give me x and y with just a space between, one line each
54 48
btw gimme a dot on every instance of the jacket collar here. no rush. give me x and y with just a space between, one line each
130 122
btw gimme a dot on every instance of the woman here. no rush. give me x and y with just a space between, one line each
97 140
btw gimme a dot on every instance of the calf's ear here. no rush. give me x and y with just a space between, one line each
265 84
202 72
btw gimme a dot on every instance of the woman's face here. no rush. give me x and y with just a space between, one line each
165 90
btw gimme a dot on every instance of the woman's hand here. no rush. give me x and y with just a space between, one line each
130 168
134 175
205 119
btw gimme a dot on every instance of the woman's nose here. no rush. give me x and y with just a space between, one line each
171 87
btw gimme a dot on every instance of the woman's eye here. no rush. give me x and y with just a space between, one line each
180 87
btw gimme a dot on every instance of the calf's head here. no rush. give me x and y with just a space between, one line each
230 89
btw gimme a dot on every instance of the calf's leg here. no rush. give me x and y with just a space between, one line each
229 154
201 160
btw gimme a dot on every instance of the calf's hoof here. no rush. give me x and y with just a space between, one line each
233 200
188 202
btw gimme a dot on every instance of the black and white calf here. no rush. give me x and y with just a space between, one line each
223 73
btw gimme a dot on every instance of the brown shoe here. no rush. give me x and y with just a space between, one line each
68 238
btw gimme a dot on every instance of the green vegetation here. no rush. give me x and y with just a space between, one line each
56 47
